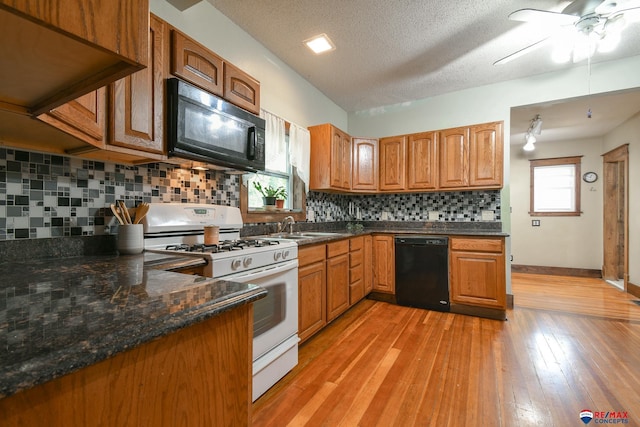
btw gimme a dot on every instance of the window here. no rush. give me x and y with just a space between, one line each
277 175
555 187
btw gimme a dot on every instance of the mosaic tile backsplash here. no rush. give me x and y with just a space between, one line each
47 195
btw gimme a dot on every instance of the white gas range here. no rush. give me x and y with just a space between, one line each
270 263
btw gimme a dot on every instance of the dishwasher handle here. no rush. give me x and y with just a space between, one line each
422 240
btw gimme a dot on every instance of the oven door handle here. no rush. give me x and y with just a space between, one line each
264 272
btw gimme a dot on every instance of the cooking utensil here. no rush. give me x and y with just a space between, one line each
141 212
116 213
125 212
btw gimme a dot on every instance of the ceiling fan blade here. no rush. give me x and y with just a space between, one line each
521 52
543 17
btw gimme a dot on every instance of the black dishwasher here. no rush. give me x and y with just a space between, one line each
422 272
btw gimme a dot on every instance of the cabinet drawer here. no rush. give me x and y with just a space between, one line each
355 258
479 245
356 274
309 255
356 243
337 248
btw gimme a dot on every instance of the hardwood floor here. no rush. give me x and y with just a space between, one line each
569 344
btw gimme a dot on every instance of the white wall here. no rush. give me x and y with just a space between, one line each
572 242
629 133
283 92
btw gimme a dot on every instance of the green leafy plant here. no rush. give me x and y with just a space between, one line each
269 191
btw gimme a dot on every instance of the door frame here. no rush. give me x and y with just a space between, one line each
616 158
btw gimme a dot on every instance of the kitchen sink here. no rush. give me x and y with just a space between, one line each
303 235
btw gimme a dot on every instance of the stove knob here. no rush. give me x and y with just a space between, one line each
247 261
276 256
235 264
285 254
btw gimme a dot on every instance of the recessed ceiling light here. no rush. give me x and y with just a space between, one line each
320 44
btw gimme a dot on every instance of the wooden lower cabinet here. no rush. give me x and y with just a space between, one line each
356 270
478 276
200 375
337 278
383 264
312 291
368 264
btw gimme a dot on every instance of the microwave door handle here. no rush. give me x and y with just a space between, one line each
252 137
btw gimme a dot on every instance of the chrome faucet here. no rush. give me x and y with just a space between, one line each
287 220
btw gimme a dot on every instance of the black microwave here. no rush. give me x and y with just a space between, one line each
203 127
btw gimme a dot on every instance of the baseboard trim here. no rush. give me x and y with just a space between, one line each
556 271
633 289
489 313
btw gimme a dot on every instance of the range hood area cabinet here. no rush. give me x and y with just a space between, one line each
464 158
53 51
125 121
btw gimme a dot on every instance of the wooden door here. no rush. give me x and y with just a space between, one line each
196 64
83 118
337 286
241 89
486 155
392 163
422 161
615 265
136 106
477 278
312 296
454 158
364 176
383 264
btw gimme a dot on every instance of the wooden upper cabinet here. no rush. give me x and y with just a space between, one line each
454 158
241 89
422 161
330 152
392 163
83 118
486 155
136 103
364 169
196 64
56 51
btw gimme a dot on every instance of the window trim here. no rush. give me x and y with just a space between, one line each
574 160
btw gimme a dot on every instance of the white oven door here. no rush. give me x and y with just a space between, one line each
275 317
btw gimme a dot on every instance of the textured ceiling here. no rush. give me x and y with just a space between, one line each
390 52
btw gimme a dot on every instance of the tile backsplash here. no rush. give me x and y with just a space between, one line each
48 195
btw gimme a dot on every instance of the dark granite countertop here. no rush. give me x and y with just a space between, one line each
58 315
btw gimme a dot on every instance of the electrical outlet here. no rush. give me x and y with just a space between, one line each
434 215
385 215
535 223
311 215
488 216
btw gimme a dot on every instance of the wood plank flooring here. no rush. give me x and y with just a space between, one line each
569 344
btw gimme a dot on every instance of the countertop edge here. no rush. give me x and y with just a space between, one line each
39 370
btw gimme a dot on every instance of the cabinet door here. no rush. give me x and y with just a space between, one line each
368 264
478 278
337 286
364 175
485 155
392 163
454 158
383 264
340 165
83 118
137 102
196 64
356 269
312 315
422 161
241 89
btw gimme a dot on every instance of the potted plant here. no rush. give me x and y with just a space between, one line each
270 194
280 198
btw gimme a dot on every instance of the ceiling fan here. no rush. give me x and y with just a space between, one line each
581 28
